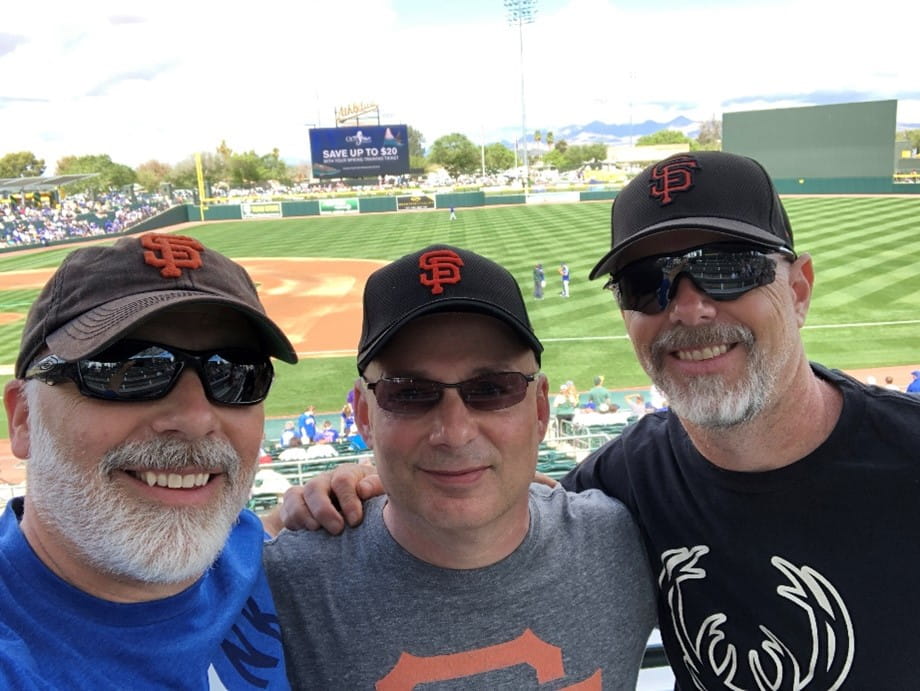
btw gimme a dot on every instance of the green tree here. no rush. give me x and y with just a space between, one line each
498 158
565 157
108 174
456 153
275 168
152 173
22 164
538 136
549 139
213 170
710 136
416 143
663 137
913 139
247 169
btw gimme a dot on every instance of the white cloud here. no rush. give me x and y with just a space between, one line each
141 81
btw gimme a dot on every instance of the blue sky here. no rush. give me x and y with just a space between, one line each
162 80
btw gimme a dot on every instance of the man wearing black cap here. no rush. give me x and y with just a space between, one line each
138 404
465 574
778 499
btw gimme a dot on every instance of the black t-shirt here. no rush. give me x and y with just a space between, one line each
804 577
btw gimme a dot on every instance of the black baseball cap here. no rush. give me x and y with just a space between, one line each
725 193
439 278
98 294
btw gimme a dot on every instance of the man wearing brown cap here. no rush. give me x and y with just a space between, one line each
138 404
465 575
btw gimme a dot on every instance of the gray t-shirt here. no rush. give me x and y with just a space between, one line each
574 603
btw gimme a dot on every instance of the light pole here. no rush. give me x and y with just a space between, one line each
521 12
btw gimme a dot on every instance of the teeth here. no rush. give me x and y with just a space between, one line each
704 354
174 480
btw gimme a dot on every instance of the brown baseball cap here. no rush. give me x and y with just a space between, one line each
98 294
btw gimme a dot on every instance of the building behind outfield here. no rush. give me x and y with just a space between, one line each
847 148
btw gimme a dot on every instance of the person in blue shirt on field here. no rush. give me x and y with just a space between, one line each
914 386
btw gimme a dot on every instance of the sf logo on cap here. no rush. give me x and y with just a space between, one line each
171 253
439 267
672 175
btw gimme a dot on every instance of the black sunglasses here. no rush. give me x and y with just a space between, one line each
410 396
723 272
144 371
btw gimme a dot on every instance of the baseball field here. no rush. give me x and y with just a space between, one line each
865 311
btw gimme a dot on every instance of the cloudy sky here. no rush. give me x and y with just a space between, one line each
161 80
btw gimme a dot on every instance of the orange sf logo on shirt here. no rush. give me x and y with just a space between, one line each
527 649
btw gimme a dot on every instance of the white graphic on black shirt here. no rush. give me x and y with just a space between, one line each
710 657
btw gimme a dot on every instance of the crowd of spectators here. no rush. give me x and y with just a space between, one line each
75 216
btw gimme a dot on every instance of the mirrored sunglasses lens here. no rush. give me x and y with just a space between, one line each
648 285
234 380
145 375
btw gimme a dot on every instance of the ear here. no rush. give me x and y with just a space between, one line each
17 417
802 282
362 414
542 385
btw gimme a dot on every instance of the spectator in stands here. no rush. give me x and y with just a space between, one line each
636 403
599 396
462 558
777 497
306 425
287 434
914 386
75 216
889 383
327 434
347 421
130 564
294 451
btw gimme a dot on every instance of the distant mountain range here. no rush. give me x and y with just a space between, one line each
598 131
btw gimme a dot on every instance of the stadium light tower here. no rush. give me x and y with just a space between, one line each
521 12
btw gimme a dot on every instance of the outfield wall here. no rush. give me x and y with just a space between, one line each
829 186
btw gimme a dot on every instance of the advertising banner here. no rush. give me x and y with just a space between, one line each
260 209
365 151
338 206
414 202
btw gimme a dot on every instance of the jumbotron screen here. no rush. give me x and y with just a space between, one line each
362 151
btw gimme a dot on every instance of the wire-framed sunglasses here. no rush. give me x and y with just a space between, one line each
721 271
133 370
411 396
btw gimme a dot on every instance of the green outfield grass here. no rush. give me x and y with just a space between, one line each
865 311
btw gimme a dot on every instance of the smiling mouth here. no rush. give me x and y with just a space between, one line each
707 353
172 480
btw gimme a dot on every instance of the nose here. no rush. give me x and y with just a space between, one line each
186 410
689 305
452 422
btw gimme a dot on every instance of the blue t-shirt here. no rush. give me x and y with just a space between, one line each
220 633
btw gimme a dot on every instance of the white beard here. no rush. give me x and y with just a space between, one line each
121 535
709 400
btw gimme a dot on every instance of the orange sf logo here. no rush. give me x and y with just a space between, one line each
171 253
442 266
673 175
526 649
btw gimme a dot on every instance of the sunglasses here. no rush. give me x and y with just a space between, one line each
410 396
144 371
721 272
